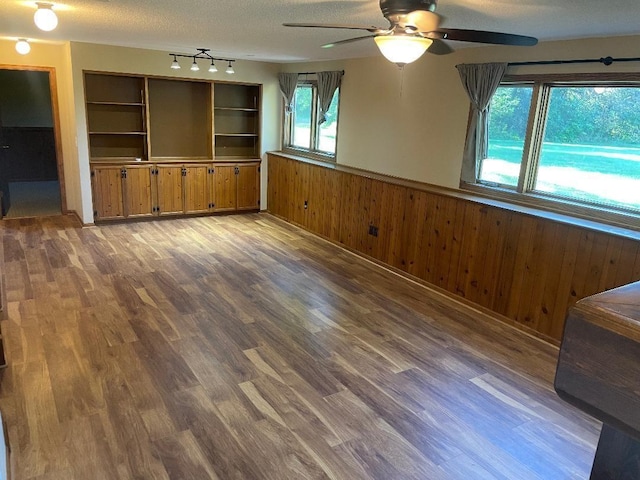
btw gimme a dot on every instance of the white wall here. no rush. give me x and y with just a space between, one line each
106 58
412 124
54 56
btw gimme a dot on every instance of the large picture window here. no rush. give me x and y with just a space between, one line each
302 129
569 141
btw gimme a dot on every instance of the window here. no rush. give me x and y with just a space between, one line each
302 132
569 141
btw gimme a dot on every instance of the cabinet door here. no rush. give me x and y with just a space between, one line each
196 189
248 185
106 182
138 193
170 194
224 188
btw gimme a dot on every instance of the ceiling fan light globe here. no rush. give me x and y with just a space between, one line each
400 49
45 18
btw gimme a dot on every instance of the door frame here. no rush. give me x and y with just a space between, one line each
53 88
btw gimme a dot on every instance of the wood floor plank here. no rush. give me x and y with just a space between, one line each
243 347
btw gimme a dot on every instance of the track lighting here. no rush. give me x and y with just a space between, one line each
45 18
202 53
22 46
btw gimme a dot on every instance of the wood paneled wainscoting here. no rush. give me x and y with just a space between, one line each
526 268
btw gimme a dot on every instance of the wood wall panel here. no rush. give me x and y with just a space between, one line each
525 268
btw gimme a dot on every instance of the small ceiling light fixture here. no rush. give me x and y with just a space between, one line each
201 53
45 18
402 49
230 69
22 46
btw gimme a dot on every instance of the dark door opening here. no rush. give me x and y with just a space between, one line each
29 179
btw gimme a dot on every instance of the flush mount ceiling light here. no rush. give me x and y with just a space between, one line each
22 46
203 53
402 49
45 18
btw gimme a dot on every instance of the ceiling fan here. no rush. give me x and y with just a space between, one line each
413 28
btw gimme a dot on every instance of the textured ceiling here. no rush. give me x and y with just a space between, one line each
252 29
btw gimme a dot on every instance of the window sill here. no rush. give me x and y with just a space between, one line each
608 221
309 154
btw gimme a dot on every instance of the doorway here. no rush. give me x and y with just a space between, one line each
30 165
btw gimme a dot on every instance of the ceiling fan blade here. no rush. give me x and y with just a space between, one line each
439 47
423 20
328 25
481 36
349 40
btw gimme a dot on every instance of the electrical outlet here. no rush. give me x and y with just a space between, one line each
373 230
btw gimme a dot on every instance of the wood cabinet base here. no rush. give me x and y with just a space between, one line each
142 190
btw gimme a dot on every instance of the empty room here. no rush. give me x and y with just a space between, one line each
301 239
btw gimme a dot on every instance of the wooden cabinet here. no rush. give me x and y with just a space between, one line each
138 191
170 195
107 192
236 187
248 186
197 188
183 188
122 191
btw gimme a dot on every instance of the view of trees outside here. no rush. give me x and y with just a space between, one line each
303 102
591 146
327 132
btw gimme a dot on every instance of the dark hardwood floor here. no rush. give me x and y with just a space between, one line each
243 347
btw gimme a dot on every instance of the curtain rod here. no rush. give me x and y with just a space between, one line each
605 60
313 73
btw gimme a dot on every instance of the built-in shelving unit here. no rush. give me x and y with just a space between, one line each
237 120
116 117
166 146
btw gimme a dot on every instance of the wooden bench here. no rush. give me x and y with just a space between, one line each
599 372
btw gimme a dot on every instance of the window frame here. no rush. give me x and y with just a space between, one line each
524 193
288 125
